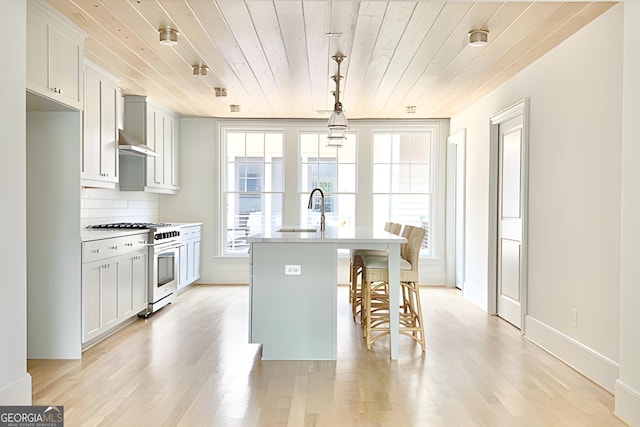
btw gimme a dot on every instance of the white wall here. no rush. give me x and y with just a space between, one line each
195 201
15 382
628 385
575 94
54 300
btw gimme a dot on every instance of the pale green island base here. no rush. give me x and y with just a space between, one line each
293 289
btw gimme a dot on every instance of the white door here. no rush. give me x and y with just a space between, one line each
509 269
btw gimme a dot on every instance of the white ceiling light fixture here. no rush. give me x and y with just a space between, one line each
478 37
168 36
338 123
200 70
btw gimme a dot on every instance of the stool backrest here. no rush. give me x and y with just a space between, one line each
395 228
413 247
406 232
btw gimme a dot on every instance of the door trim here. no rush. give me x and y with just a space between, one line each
519 108
457 232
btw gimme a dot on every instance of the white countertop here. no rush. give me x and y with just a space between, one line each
88 234
186 224
340 235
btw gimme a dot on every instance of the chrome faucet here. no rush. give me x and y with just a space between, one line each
322 226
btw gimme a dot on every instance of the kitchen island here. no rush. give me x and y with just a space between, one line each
293 289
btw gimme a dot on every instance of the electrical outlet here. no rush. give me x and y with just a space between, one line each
292 269
574 317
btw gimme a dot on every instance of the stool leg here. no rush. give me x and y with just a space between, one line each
416 326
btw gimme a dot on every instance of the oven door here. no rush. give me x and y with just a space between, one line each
164 273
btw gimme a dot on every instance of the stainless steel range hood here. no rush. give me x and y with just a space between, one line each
127 144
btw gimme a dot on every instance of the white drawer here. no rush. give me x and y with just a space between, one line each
106 248
192 232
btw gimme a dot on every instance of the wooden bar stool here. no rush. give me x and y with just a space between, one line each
375 297
355 268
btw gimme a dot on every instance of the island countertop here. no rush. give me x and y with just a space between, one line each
343 236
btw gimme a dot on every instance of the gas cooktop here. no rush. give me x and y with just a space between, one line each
131 225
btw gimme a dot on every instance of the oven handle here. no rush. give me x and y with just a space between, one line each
173 242
164 248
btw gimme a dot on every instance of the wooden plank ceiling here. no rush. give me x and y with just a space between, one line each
274 57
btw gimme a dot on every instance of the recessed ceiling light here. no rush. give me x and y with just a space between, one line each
234 108
220 91
410 109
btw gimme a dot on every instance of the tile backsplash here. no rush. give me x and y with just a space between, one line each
100 206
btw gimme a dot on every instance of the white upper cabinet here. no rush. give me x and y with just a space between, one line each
100 129
159 129
54 56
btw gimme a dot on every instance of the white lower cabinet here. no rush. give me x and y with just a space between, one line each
132 284
189 255
114 283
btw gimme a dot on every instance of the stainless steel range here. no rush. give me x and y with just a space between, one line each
163 265
163 261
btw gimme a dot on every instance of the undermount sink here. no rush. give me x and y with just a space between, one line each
297 230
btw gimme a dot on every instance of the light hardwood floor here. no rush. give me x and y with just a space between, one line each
190 365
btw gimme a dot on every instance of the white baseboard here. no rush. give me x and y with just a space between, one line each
17 393
600 369
627 404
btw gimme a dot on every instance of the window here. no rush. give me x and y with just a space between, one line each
333 170
402 180
253 187
385 171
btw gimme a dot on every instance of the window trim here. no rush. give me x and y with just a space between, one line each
222 228
437 183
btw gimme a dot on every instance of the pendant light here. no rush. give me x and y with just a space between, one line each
338 123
